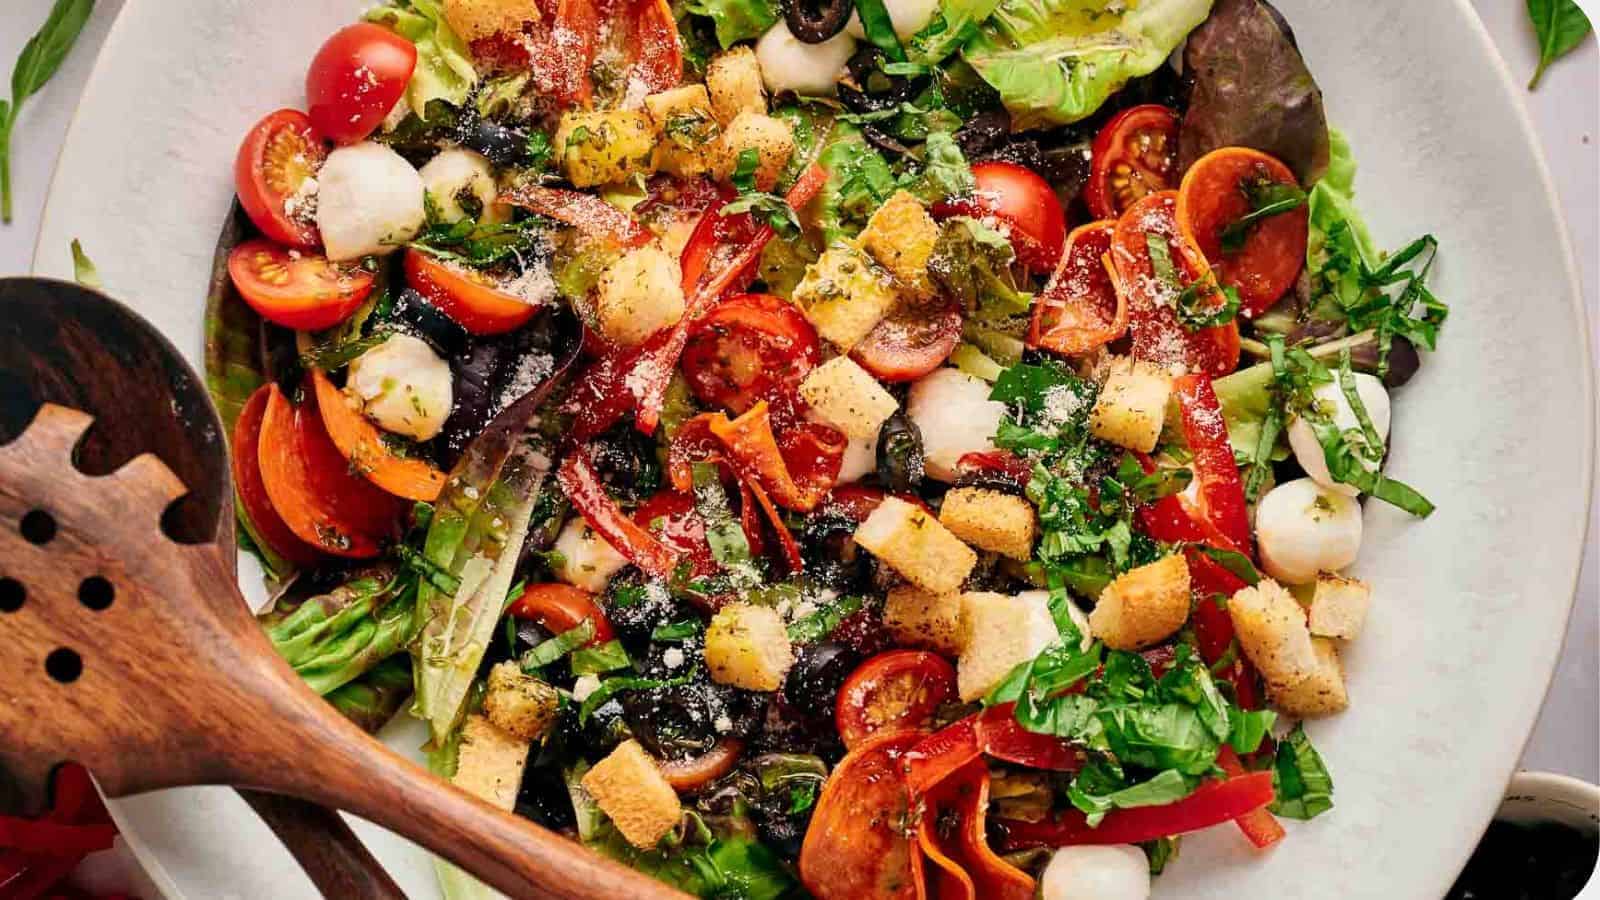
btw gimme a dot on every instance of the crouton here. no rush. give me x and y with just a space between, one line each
629 788
846 396
473 20
1132 405
918 618
990 520
747 647
605 147
490 762
913 543
1272 632
688 130
1321 692
1339 606
734 82
771 139
845 295
1143 606
1002 632
900 236
641 293
520 704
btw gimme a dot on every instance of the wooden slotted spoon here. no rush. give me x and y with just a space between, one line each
126 644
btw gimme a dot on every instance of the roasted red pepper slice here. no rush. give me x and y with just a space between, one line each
1221 490
585 212
1212 803
1001 736
942 754
581 483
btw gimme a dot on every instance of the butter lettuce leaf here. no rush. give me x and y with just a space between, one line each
444 64
1055 62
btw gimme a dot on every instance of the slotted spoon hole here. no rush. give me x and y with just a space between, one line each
12 595
63 665
38 527
96 593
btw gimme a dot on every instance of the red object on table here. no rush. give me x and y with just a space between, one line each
37 855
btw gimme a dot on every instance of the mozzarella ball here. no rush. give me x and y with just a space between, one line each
790 64
456 175
908 16
369 201
1303 528
860 459
1330 397
587 560
1096 872
403 386
956 417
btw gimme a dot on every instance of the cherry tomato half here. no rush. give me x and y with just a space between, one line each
1134 155
749 347
859 843
266 525
1215 195
295 288
558 608
275 159
911 342
356 79
893 691
1024 201
469 297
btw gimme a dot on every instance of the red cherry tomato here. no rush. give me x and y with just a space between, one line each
294 288
1025 202
893 691
1134 155
276 158
465 295
688 775
859 843
356 79
913 341
266 525
1216 194
558 608
672 518
748 348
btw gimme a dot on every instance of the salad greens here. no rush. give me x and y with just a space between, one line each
1560 26
41 56
83 269
334 638
1301 780
737 20
444 63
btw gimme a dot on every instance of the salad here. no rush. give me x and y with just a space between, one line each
836 448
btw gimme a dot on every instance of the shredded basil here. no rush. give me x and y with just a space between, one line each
729 546
1268 198
607 657
818 625
553 649
1300 780
616 685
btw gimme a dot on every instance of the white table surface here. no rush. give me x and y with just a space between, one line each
1566 113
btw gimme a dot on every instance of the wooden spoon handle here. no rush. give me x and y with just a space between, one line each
322 843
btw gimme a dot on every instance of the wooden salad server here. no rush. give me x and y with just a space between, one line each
127 646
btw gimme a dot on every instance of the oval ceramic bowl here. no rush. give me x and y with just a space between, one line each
1470 605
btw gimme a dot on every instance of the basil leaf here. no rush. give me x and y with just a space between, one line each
83 270
1267 199
675 632
41 57
553 649
1168 786
1194 315
1161 260
818 625
1560 26
607 657
1248 728
1300 780
1236 563
614 686
879 28
744 170
729 546
1160 736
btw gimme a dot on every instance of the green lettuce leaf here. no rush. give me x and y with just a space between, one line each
1056 61
444 64
737 20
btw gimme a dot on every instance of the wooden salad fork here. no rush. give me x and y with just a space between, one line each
127 645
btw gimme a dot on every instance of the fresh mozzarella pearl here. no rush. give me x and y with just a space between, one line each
860 459
587 559
956 417
404 385
790 64
1330 397
908 16
455 172
369 201
1303 528
1096 872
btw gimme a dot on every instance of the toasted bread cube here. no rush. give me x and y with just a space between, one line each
1321 692
490 762
1002 632
900 236
473 20
747 646
606 147
1339 607
1131 406
518 703
1143 606
639 295
846 396
688 130
990 520
734 81
1272 632
845 295
912 542
918 618
771 139
630 789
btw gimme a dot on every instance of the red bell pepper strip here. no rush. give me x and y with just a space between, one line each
1001 736
653 372
581 483
585 212
798 479
48 837
1259 826
1221 490
1212 803
786 542
941 754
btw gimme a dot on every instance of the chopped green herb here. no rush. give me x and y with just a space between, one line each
553 649
1560 26
818 625
1300 779
1268 198
729 546
41 56
83 270
607 657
